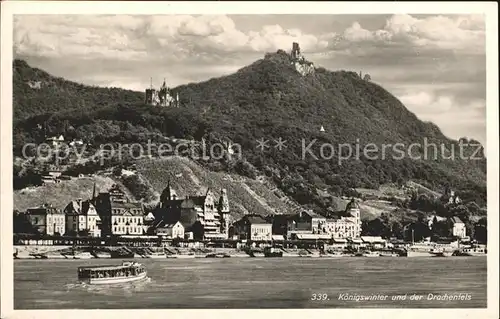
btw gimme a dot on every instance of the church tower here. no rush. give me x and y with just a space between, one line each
353 209
166 196
223 208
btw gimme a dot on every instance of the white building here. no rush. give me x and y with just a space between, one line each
171 231
81 216
47 220
459 229
342 227
348 224
253 227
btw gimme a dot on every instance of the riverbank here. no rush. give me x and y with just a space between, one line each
82 252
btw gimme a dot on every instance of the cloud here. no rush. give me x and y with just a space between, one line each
435 64
457 33
139 37
450 114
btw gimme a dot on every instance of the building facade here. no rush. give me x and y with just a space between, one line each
119 215
253 227
81 217
458 227
171 230
341 227
47 220
209 214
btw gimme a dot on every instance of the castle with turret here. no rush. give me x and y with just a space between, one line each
162 97
302 66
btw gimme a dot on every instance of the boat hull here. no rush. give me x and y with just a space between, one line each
156 256
184 256
103 255
419 254
114 280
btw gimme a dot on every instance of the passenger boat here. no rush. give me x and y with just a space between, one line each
103 275
272 252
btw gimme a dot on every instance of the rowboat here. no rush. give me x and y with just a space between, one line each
105 275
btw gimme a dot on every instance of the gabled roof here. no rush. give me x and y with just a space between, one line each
253 219
456 220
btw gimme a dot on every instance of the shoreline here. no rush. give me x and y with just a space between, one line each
29 252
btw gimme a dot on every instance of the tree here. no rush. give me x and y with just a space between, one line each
481 231
198 231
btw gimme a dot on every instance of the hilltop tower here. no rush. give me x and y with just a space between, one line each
296 51
302 66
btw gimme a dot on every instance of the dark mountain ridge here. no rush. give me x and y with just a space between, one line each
268 99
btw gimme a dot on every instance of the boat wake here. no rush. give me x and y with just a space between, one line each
111 289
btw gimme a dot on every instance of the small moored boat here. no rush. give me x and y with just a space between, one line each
371 254
441 252
126 272
156 255
272 252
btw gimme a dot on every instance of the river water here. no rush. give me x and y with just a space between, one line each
259 283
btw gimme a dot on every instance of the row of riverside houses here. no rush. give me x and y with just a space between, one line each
113 213
194 217
304 225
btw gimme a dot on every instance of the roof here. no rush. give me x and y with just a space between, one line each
456 220
253 219
126 205
339 240
312 236
352 205
372 239
257 220
313 214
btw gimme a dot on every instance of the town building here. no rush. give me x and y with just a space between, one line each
430 219
307 221
458 227
170 230
82 218
119 215
253 227
47 220
450 197
203 215
375 242
341 227
55 141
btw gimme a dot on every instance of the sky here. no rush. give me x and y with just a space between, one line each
435 64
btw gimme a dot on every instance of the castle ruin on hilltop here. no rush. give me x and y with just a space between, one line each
162 97
302 66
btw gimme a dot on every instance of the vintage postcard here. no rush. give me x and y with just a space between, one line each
166 158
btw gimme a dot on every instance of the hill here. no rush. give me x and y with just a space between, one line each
186 178
36 92
269 99
60 194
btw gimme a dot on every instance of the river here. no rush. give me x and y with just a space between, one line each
259 283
